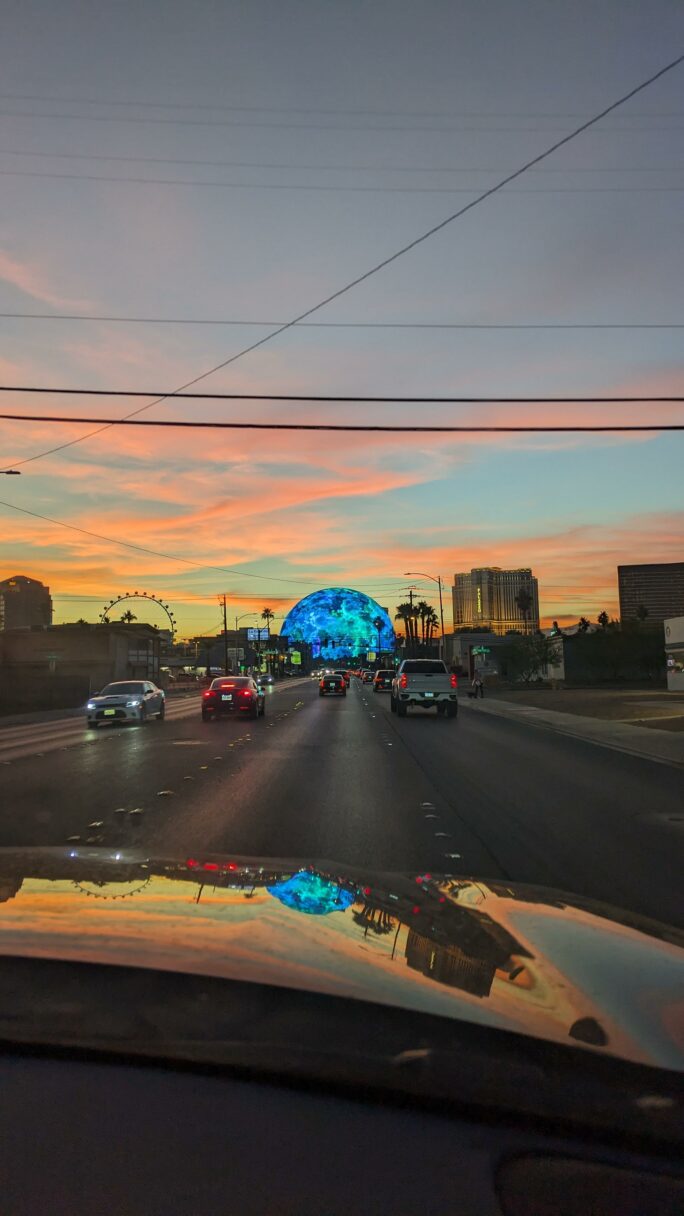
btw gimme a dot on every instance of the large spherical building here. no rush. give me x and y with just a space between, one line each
339 623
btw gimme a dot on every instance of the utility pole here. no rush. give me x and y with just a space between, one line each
225 638
441 617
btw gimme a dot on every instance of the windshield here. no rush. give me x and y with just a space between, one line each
121 689
348 334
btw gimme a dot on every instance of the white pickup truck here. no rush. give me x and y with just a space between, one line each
426 683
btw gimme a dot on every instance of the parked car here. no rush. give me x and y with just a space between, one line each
333 685
426 683
233 696
382 680
126 701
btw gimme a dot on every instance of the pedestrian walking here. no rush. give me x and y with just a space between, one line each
478 685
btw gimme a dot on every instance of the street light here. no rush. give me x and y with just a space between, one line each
438 581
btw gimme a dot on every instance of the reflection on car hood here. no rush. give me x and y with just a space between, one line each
523 958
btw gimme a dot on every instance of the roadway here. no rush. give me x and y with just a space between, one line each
345 779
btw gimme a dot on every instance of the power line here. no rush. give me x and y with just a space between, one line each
398 253
618 325
147 119
541 428
323 399
315 167
318 189
189 105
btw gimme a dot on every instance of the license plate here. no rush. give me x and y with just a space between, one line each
109 713
331 685
429 694
226 696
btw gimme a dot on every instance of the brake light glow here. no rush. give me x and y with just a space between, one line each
208 693
454 680
245 692
403 682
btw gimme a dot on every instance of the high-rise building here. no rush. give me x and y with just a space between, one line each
487 597
652 591
24 603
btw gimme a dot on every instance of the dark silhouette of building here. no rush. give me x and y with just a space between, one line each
25 603
657 587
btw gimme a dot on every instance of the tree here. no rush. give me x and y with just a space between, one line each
603 619
583 625
432 623
406 613
81 621
641 612
524 601
527 656
268 615
423 611
378 625
128 617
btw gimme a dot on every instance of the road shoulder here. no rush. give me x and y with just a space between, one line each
641 741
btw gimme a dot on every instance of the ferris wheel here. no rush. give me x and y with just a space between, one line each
139 595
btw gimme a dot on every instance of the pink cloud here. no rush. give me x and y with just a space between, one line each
33 281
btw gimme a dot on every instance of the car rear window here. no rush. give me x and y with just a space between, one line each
232 682
385 672
424 667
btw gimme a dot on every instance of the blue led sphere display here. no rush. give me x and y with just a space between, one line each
312 894
339 623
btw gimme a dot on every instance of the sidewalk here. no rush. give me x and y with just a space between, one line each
662 746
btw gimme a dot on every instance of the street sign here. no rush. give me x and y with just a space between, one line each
482 650
295 658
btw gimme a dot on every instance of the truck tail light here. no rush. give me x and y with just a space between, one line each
403 682
454 680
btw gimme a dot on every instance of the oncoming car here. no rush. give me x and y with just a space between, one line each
332 684
233 696
125 701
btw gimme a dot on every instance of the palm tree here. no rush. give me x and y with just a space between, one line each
583 625
524 601
127 617
268 615
432 623
407 613
603 619
423 611
378 625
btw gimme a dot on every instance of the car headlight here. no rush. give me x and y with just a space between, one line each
90 705
131 703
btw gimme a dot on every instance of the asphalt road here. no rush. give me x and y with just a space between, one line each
347 780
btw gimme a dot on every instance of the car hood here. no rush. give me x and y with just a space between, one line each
526 959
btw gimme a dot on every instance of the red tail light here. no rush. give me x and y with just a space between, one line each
454 680
403 682
210 865
207 694
245 692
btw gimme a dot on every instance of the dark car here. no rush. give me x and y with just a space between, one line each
233 695
382 681
332 684
346 675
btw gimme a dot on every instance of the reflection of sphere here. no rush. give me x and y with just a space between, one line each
307 892
338 622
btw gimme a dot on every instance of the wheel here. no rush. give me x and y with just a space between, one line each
91 725
143 715
393 704
452 711
344 692
441 710
401 709
321 693
254 712
205 716
162 712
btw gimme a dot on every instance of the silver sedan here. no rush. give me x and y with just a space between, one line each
126 701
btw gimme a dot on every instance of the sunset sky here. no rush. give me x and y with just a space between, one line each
380 119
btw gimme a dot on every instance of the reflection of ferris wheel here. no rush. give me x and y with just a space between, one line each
138 595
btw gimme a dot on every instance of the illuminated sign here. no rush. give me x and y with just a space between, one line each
479 601
257 635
